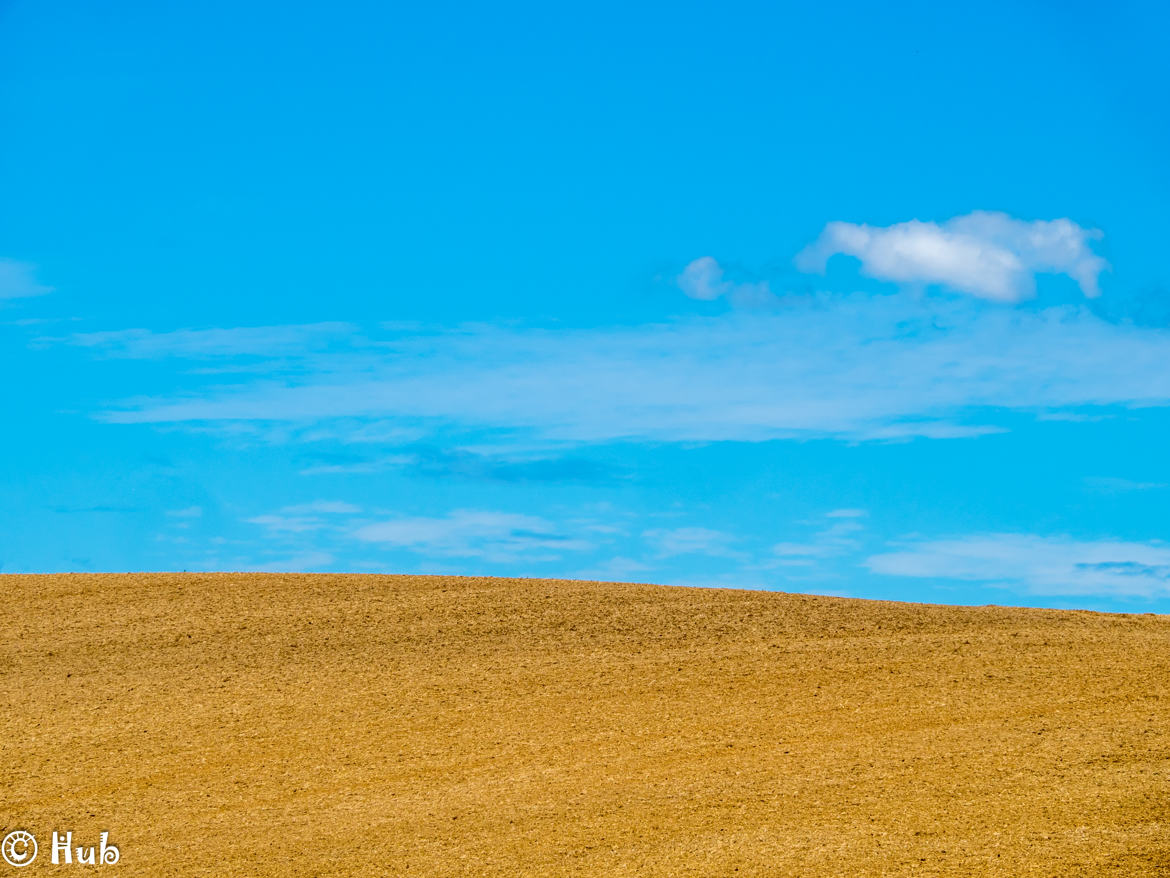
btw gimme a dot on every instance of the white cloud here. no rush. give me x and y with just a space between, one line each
703 279
1044 565
846 513
986 254
493 536
18 280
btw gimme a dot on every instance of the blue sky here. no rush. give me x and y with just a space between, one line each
841 299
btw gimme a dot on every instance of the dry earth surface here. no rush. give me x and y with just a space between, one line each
260 724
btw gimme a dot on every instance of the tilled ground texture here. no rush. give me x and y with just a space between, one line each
263 724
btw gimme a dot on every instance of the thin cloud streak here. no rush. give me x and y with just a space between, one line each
1040 564
852 367
18 280
499 537
256 341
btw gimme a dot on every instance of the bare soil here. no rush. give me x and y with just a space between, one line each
262 724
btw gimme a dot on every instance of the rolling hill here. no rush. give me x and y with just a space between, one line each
265 724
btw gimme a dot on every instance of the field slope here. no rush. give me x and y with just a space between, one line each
261 724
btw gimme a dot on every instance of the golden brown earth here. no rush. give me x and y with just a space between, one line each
398 725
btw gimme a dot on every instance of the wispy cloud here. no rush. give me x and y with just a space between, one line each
1043 565
990 255
433 461
487 534
301 562
323 507
1116 485
358 431
186 512
256 341
358 467
670 542
704 279
836 536
853 367
305 517
287 524
18 280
